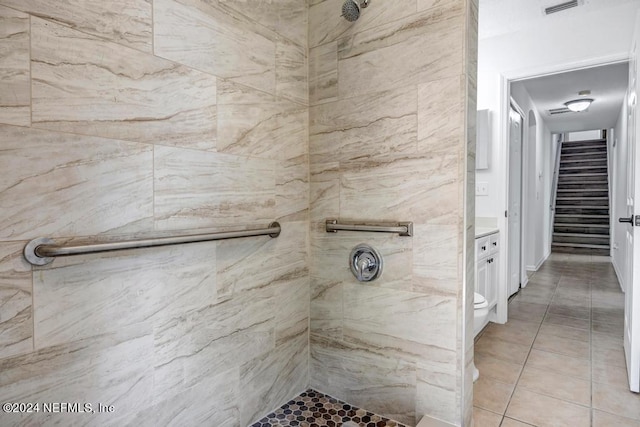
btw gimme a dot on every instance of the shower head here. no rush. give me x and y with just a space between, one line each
351 9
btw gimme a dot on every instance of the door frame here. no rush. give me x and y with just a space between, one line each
523 217
503 138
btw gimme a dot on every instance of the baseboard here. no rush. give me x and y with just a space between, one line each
539 264
617 270
525 283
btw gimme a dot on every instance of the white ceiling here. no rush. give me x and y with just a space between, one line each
499 17
525 20
608 85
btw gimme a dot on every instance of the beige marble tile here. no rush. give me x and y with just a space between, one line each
413 326
257 124
491 395
529 312
270 379
280 259
503 350
198 189
333 249
436 389
292 71
15 84
383 385
406 188
420 48
435 263
286 17
553 344
326 307
99 185
324 193
497 369
125 22
211 37
552 384
539 410
565 365
16 321
441 114
616 400
86 85
484 418
114 368
323 73
78 297
204 342
292 189
325 23
509 422
604 419
213 401
610 355
364 127
570 311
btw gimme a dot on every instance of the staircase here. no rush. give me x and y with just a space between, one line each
581 223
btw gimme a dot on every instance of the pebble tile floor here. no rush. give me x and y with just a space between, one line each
314 409
559 360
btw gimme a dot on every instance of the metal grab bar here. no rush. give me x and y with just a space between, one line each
402 228
43 251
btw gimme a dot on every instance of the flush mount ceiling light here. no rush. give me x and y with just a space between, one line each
579 105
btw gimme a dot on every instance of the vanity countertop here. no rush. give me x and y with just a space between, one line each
485 231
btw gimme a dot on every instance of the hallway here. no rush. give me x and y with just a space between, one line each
559 360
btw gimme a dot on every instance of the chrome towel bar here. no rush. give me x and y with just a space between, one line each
402 228
42 251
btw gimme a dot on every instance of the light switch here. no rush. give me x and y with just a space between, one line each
482 188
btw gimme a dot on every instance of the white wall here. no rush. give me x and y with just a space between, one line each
585 135
618 154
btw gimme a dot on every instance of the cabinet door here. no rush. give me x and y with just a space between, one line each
482 272
492 280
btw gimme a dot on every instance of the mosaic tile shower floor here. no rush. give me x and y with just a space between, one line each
314 409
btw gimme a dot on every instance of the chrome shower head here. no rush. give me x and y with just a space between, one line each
351 9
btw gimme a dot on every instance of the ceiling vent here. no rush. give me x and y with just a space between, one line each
560 7
556 111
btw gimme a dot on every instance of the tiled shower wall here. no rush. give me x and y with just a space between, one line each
137 117
392 116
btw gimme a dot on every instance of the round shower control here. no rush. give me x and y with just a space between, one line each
365 263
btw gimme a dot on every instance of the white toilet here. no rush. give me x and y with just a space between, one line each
480 318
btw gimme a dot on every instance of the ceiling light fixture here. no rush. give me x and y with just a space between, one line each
579 105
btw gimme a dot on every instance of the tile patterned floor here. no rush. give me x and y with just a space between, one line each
314 409
559 360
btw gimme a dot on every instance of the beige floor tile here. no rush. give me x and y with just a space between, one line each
610 374
497 369
570 311
565 365
565 332
515 331
484 418
509 422
604 419
616 400
614 329
572 322
608 356
605 341
527 311
491 395
543 411
555 385
573 348
504 350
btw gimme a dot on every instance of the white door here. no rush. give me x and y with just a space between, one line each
515 196
632 276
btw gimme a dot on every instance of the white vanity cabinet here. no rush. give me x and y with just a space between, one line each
487 249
